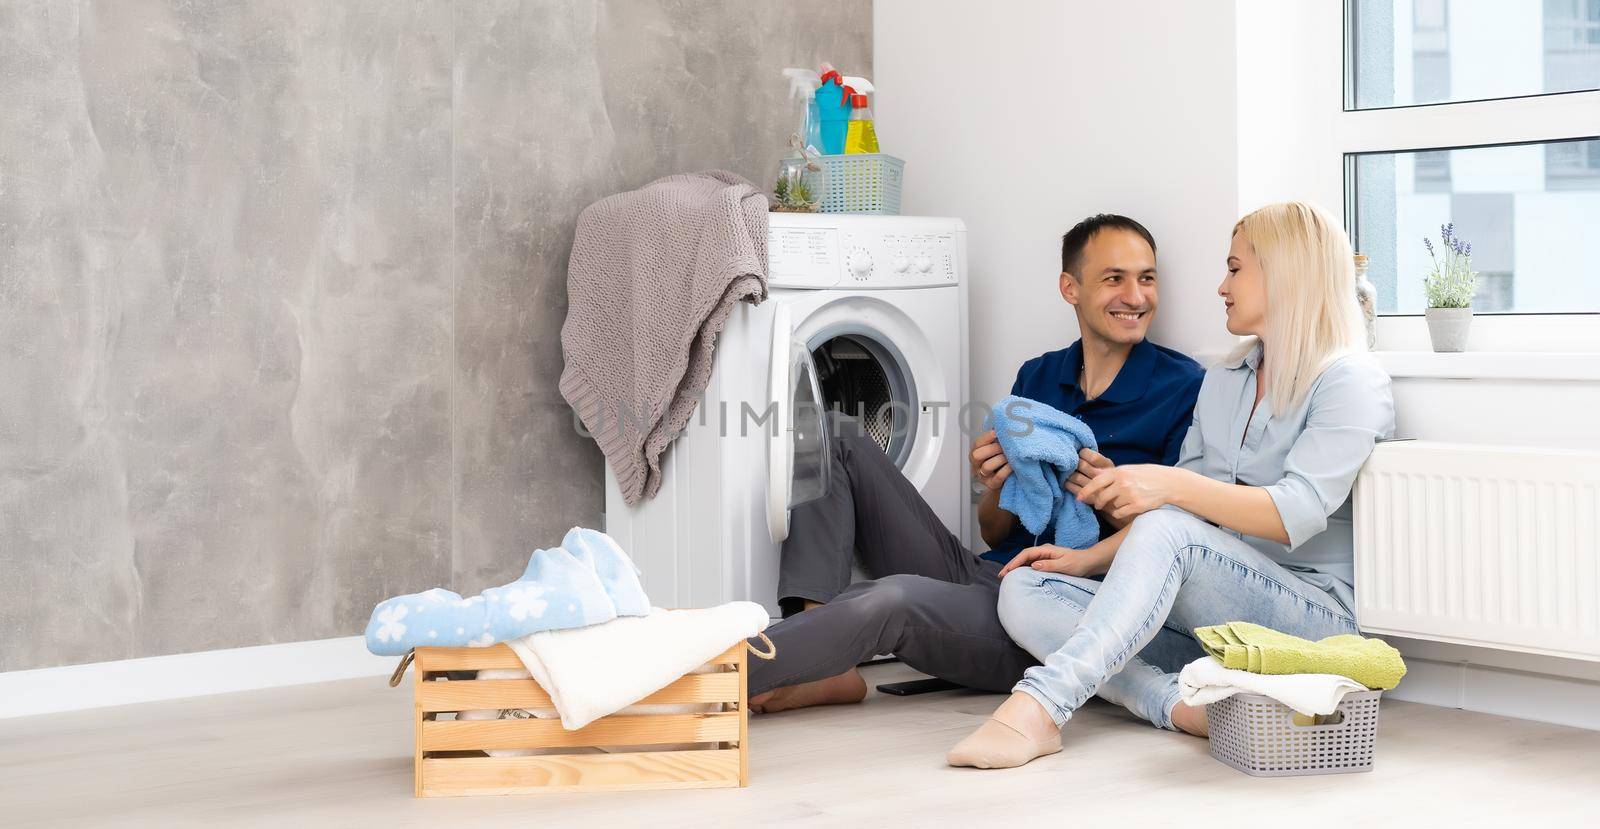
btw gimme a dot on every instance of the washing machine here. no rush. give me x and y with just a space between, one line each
866 315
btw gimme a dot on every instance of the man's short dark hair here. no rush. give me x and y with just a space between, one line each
1076 239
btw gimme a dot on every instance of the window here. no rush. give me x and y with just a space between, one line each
1409 52
1484 114
1530 211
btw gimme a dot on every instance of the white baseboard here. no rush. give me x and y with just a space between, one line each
1506 692
103 684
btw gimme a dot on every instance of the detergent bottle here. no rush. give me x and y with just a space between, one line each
833 108
860 135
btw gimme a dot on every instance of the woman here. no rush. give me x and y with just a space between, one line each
1252 524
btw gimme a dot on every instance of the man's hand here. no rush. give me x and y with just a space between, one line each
1094 561
1090 465
989 464
1126 491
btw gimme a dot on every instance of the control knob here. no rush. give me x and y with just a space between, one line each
860 264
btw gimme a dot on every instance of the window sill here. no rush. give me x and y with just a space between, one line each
1491 365
1566 338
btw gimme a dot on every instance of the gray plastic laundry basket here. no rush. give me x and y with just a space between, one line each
1257 735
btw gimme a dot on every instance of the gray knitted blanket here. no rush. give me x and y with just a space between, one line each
653 275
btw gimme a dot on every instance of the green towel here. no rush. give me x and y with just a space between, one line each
1247 647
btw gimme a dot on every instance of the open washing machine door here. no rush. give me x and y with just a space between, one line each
798 454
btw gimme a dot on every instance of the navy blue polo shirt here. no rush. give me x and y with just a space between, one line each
1140 418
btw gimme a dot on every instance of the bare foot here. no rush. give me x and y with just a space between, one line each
1190 718
845 688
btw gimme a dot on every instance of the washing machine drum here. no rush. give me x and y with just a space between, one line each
861 378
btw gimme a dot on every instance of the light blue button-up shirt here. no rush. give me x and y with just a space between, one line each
1306 460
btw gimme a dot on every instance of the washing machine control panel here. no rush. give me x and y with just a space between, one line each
850 258
901 260
876 253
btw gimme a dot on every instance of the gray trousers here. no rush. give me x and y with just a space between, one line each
930 602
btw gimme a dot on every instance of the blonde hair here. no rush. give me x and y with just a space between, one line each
1310 280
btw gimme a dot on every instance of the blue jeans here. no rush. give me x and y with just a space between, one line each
1127 637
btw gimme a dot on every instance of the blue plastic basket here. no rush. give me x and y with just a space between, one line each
863 183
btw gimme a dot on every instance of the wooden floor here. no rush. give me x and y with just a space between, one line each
339 754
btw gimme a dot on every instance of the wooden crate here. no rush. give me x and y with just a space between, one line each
449 758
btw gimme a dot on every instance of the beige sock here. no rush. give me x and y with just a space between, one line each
996 745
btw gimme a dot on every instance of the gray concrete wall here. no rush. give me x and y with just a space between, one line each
281 287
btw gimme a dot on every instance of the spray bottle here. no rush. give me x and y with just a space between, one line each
854 84
800 182
861 136
833 108
803 85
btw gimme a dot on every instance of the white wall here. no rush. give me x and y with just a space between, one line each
1024 117
1290 95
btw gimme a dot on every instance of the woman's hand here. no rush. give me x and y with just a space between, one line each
1094 561
1126 491
1090 465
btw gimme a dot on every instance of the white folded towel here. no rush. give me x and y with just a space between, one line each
1205 681
595 671
500 714
550 714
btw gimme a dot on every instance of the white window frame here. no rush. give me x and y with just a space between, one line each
1532 118
1294 134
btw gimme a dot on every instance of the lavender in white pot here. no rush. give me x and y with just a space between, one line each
1449 288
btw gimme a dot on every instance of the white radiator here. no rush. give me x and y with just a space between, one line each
1480 545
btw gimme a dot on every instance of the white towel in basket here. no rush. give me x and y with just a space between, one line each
595 671
1205 681
550 714
501 714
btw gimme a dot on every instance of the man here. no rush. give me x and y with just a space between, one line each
932 601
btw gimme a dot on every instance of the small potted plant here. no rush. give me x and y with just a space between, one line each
795 190
1449 288
791 194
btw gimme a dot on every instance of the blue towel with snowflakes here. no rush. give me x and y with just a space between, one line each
585 581
1041 444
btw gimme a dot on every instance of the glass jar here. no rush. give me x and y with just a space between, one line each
1367 298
